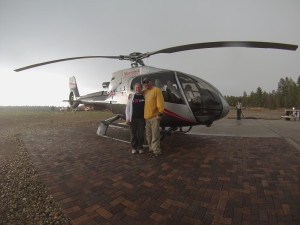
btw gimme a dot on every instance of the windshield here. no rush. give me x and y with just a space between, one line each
202 97
198 92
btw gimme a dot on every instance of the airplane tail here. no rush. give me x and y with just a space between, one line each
74 93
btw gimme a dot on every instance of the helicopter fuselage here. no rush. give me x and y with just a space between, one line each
189 100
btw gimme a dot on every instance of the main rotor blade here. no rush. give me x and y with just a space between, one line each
220 44
134 57
68 59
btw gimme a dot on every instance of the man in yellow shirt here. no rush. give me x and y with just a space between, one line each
153 112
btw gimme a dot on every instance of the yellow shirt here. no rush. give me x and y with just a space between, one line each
154 102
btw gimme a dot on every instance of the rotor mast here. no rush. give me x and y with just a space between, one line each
135 58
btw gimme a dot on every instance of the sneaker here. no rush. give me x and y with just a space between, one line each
133 151
141 151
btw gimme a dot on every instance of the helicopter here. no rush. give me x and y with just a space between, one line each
189 100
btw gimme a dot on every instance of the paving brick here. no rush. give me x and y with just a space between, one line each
104 213
198 179
81 220
92 208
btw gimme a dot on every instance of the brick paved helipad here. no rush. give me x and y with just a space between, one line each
198 180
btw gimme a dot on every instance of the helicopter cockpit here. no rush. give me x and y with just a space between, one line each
204 99
188 93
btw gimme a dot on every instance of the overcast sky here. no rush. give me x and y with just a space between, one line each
34 31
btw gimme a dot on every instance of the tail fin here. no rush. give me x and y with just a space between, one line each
74 93
73 86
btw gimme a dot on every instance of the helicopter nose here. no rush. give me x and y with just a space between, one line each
225 105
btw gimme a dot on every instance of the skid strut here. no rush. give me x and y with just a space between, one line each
101 131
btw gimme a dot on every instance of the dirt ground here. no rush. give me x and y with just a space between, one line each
15 122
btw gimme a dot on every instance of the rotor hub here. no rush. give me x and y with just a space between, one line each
136 59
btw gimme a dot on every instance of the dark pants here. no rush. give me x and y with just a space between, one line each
239 113
137 128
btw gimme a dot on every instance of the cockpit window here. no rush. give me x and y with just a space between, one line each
192 93
134 81
191 90
198 92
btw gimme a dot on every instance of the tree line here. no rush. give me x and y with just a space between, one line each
287 95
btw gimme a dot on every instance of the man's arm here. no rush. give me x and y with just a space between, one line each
160 102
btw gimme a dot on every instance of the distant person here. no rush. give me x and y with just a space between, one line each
238 110
135 119
154 108
294 114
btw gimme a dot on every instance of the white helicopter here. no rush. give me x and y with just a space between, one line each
189 100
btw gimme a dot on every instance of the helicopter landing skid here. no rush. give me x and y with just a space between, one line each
169 131
101 131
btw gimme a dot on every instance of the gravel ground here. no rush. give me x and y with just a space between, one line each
24 200
23 197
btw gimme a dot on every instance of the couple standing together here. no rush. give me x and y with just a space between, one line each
145 108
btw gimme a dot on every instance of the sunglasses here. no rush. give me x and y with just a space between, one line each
146 82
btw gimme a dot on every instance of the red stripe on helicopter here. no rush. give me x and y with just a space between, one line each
168 112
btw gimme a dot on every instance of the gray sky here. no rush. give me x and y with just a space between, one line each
34 31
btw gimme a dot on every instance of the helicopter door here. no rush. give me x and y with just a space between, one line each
176 109
202 98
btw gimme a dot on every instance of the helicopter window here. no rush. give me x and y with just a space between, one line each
210 94
198 92
167 83
192 93
191 90
158 84
134 81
